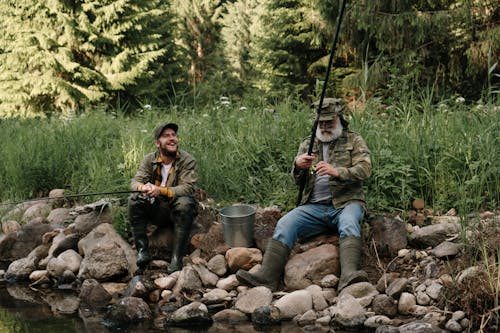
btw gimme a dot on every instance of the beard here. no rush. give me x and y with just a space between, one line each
168 151
329 135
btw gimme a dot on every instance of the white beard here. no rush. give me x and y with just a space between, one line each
330 134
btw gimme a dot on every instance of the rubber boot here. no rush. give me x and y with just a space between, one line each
142 247
180 246
137 207
350 257
270 273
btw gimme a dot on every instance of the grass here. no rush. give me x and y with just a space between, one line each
446 153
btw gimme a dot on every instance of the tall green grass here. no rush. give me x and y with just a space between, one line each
447 152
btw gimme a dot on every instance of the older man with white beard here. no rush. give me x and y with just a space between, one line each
333 199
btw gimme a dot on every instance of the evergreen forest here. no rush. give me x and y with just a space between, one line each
66 57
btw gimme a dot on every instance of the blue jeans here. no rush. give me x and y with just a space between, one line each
312 219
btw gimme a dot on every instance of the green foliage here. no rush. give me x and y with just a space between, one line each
68 55
285 45
446 153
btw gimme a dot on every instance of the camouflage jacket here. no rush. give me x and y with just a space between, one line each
181 180
350 155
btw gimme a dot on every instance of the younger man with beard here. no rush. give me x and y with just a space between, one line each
167 181
333 200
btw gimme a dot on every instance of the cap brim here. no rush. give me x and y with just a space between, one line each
164 127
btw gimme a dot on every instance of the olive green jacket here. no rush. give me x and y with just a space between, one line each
182 179
350 155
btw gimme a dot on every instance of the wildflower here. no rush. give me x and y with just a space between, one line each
460 99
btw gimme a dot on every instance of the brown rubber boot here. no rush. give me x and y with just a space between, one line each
350 257
270 273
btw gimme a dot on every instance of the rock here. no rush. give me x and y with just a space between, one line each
406 303
318 298
20 270
311 266
385 305
191 315
208 279
230 316
419 327
329 281
93 294
389 235
215 296
348 312
253 298
266 315
68 260
10 226
188 280
128 311
228 283
377 321
433 235
20 243
242 257
297 302
446 249
38 210
60 217
87 222
165 282
106 255
397 287
434 290
364 292
218 265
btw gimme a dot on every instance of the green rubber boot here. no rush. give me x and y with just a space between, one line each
273 264
142 247
180 247
350 257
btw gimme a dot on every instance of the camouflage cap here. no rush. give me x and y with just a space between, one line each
159 130
330 108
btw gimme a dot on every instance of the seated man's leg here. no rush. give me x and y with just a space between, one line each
138 216
298 223
182 214
351 245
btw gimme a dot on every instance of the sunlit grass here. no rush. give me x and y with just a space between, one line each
446 153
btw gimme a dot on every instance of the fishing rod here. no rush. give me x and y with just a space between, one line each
68 196
322 97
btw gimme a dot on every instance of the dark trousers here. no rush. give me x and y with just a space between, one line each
180 213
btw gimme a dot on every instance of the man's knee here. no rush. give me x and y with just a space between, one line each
350 220
184 206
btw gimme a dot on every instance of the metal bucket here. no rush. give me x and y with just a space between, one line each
238 225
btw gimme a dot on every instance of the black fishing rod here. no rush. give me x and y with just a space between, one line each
69 196
322 97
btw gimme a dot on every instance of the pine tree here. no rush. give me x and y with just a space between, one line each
286 44
239 24
198 33
68 55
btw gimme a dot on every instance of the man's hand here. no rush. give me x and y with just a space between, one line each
150 190
323 168
304 161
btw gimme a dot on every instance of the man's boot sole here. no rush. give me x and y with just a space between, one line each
249 279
